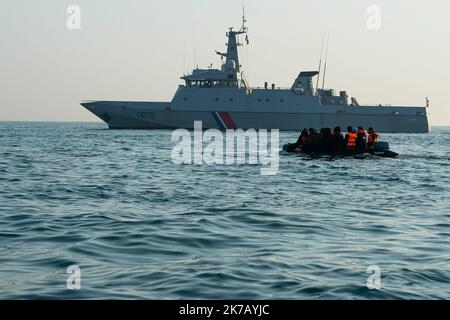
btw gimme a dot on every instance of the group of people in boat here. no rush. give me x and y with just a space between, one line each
333 142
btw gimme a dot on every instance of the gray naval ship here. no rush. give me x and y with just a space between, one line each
222 99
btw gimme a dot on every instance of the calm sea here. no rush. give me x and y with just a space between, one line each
140 227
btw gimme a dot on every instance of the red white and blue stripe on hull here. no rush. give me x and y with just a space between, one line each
159 115
224 120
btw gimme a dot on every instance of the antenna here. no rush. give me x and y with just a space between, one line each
244 21
244 29
324 76
326 61
195 49
320 62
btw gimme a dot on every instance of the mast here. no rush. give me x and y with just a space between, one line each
232 64
232 49
232 55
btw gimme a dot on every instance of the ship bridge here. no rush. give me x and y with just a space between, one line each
214 78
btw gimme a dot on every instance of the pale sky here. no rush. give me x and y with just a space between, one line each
135 50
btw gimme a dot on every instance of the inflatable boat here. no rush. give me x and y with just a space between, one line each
381 149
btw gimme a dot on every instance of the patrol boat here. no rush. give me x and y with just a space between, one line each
222 98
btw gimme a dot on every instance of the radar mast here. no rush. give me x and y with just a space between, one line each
232 55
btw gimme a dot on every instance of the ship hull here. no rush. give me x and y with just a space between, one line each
160 115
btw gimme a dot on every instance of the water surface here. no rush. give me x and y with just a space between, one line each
141 227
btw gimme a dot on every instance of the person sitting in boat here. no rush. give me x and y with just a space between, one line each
303 137
302 140
361 142
326 145
337 141
350 140
361 131
372 138
313 142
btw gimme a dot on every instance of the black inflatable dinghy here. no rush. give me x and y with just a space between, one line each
381 150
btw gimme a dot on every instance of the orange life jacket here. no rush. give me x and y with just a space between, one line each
351 141
362 131
374 137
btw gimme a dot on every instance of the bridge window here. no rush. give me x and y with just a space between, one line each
212 83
